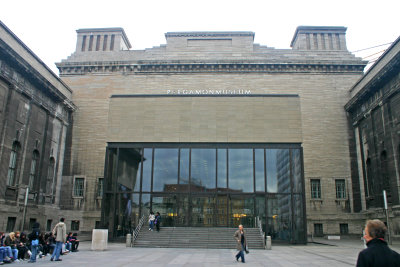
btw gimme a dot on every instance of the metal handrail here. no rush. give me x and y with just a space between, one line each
259 225
137 229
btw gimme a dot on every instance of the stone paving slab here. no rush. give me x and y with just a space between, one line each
311 255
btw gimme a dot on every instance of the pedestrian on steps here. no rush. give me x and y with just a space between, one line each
152 218
157 221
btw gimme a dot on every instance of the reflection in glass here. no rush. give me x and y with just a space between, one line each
241 211
184 168
127 213
182 207
260 209
299 234
296 171
128 166
166 206
278 170
279 217
202 169
221 211
202 211
222 175
165 174
147 160
145 205
241 170
259 170
111 169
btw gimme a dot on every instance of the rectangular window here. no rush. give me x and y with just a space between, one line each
112 42
31 222
340 189
100 187
90 42
315 188
98 42
12 167
79 187
344 229
75 225
318 229
11 224
48 225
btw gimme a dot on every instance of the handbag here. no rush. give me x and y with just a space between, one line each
247 250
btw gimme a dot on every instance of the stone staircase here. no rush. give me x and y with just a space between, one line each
196 237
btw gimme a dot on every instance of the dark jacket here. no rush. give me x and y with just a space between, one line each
10 243
378 254
35 232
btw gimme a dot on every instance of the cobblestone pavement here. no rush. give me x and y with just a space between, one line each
335 253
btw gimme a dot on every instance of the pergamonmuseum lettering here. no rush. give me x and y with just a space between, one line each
210 92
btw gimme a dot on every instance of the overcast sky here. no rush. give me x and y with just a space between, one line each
48 26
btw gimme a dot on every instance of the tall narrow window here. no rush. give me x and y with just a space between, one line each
50 176
98 42
13 163
340 188
79 187
83 43
100 187
105 42
318 229
90 42
112 42
33 171
315 188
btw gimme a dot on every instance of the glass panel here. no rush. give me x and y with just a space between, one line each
296 171
147 164
202 210
299 233
127 213
165 176
145 205
222 175
203 170
221 211
166 206
260 210
182 210
111 167
128 169
278 170
107 210
260 172
241 211
279 217
241 170
184 170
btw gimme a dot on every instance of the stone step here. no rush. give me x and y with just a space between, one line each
196 237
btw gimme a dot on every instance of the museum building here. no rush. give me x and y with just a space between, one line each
212 129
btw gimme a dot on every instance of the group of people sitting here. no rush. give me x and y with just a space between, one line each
17 246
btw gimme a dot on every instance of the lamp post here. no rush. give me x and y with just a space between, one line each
25 204
387 216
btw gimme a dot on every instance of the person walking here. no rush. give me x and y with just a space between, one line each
60 232
34 240
377 252
151 221
241 243
157 221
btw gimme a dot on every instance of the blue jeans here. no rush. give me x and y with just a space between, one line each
14 253
151 225
7 252
34 250
57 250
68 246
2 254
240 254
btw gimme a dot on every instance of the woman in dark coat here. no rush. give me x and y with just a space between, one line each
241 243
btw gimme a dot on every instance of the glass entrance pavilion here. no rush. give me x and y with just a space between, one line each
206 185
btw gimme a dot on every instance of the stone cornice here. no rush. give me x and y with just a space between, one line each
191 68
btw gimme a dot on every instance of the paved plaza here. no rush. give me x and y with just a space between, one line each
336 253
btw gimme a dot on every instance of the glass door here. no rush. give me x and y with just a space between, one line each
241 211
221 211
202 211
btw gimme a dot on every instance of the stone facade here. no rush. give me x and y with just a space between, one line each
374 112
35 116
318 70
